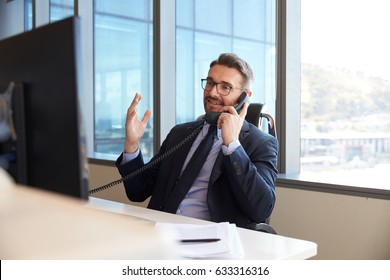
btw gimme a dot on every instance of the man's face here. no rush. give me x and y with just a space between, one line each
213 101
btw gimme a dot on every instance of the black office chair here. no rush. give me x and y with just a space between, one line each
256 116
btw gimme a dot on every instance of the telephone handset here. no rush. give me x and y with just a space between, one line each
212 117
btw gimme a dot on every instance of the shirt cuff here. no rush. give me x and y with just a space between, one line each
227 150
129 156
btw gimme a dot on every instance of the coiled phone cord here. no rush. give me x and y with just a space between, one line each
150 164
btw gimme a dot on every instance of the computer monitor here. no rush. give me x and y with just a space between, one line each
40 94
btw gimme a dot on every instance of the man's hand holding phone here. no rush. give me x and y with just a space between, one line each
230 122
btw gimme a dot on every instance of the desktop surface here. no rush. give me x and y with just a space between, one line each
38 224
257 245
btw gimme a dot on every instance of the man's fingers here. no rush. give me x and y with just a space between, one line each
135 101
146 117
244 110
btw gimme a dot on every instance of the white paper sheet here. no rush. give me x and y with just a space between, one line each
228 246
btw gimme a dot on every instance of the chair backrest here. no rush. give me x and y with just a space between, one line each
256 115
254 112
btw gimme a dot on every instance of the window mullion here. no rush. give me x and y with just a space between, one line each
288 85
41 13
164 69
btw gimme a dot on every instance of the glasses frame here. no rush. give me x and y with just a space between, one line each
202 81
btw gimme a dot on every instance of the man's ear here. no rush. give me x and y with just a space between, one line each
249 92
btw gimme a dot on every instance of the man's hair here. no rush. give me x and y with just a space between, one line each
231 60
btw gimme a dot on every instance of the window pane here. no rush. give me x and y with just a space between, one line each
213 16
345 89
123 66
28 15
60 9
205 29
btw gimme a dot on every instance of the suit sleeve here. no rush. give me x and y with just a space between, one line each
252 175
140 185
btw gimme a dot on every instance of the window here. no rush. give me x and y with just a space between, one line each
60 9
123 45
37 13
205 29
123 52
345 88
28 15
325 83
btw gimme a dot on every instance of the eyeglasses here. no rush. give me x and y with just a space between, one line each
222 88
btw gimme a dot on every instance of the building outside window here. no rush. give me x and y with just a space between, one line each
345 88
123 63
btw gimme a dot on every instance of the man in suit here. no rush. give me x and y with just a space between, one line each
236 183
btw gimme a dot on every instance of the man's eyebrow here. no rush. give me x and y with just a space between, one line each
222 82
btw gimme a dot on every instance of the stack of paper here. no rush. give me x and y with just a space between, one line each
211 241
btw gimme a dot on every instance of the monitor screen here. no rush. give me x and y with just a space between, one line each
41 137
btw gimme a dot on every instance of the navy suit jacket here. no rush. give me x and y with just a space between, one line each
242 185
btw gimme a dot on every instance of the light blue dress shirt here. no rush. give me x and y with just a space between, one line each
194 203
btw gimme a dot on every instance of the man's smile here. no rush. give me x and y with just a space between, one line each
214 102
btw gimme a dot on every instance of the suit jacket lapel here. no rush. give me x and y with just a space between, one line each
179 158
217 168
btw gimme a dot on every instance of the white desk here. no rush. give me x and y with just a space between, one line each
256 245
36 224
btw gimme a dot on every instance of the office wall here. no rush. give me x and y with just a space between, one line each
100 175
344 227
